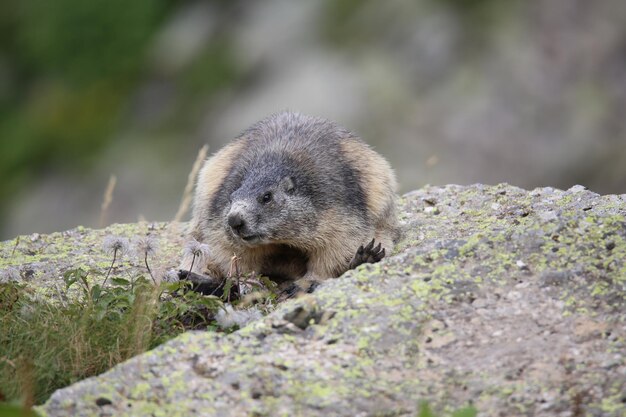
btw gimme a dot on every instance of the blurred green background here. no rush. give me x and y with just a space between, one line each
450 91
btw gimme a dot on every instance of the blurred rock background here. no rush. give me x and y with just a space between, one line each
531 92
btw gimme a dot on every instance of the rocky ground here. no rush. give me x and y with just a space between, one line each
510 300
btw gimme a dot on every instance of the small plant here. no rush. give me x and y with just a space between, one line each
198 251
145 247
115 246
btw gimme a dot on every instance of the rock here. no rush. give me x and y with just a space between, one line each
450 317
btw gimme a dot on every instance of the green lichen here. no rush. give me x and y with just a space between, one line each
140 390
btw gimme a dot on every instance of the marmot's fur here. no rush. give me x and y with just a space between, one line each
294 197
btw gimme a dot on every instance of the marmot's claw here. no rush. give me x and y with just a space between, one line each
367 255
298 288
313 286
377 248
290 292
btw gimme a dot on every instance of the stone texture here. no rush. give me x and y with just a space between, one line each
508 299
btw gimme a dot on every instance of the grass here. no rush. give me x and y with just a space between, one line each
48 344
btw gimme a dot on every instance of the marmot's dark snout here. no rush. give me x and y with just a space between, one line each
236 222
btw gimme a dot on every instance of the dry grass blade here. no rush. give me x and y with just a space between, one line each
185 203
17 242
107 200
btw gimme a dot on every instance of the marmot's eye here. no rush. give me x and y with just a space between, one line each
267 197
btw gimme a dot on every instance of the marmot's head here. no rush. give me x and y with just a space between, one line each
271 205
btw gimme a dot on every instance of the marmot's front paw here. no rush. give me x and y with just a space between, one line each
205 284
299 287
369 254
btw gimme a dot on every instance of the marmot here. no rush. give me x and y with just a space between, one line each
294 198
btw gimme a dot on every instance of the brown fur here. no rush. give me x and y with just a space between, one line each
332 239
376 176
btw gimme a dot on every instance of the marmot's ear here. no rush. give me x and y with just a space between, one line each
287 184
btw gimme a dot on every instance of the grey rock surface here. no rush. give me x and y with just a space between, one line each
508 299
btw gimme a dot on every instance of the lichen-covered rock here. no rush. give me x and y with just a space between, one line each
514 301
41 260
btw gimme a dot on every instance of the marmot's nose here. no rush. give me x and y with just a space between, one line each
236 222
